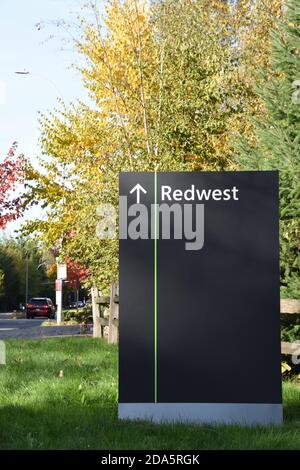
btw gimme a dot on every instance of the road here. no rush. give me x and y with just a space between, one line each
9 325
32 329
21 328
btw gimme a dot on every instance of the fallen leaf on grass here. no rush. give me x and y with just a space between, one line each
18 360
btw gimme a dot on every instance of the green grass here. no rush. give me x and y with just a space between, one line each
40 410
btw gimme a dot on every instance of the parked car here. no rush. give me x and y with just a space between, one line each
78 304
40 307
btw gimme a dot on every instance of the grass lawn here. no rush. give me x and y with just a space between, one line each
44 408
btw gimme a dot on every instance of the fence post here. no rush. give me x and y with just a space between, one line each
97 328
113 316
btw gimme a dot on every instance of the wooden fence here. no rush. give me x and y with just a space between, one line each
109 324
106 325
290 306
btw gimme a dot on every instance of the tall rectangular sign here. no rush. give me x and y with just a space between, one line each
199 297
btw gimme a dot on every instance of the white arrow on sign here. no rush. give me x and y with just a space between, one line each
138 188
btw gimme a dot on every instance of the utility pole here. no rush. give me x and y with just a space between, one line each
61 276
26 279
59 292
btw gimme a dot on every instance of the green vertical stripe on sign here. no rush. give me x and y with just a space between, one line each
155 287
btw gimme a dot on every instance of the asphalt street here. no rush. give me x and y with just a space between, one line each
32 329
9 325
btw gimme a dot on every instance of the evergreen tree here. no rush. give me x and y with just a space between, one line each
276 142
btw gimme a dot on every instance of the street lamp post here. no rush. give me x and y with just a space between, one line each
27 275
26 72
60 279
26 279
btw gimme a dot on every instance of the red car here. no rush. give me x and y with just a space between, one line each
40 307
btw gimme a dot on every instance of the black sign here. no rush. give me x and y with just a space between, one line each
199 297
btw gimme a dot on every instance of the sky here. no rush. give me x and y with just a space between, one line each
26 46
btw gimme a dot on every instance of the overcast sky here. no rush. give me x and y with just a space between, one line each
26 46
